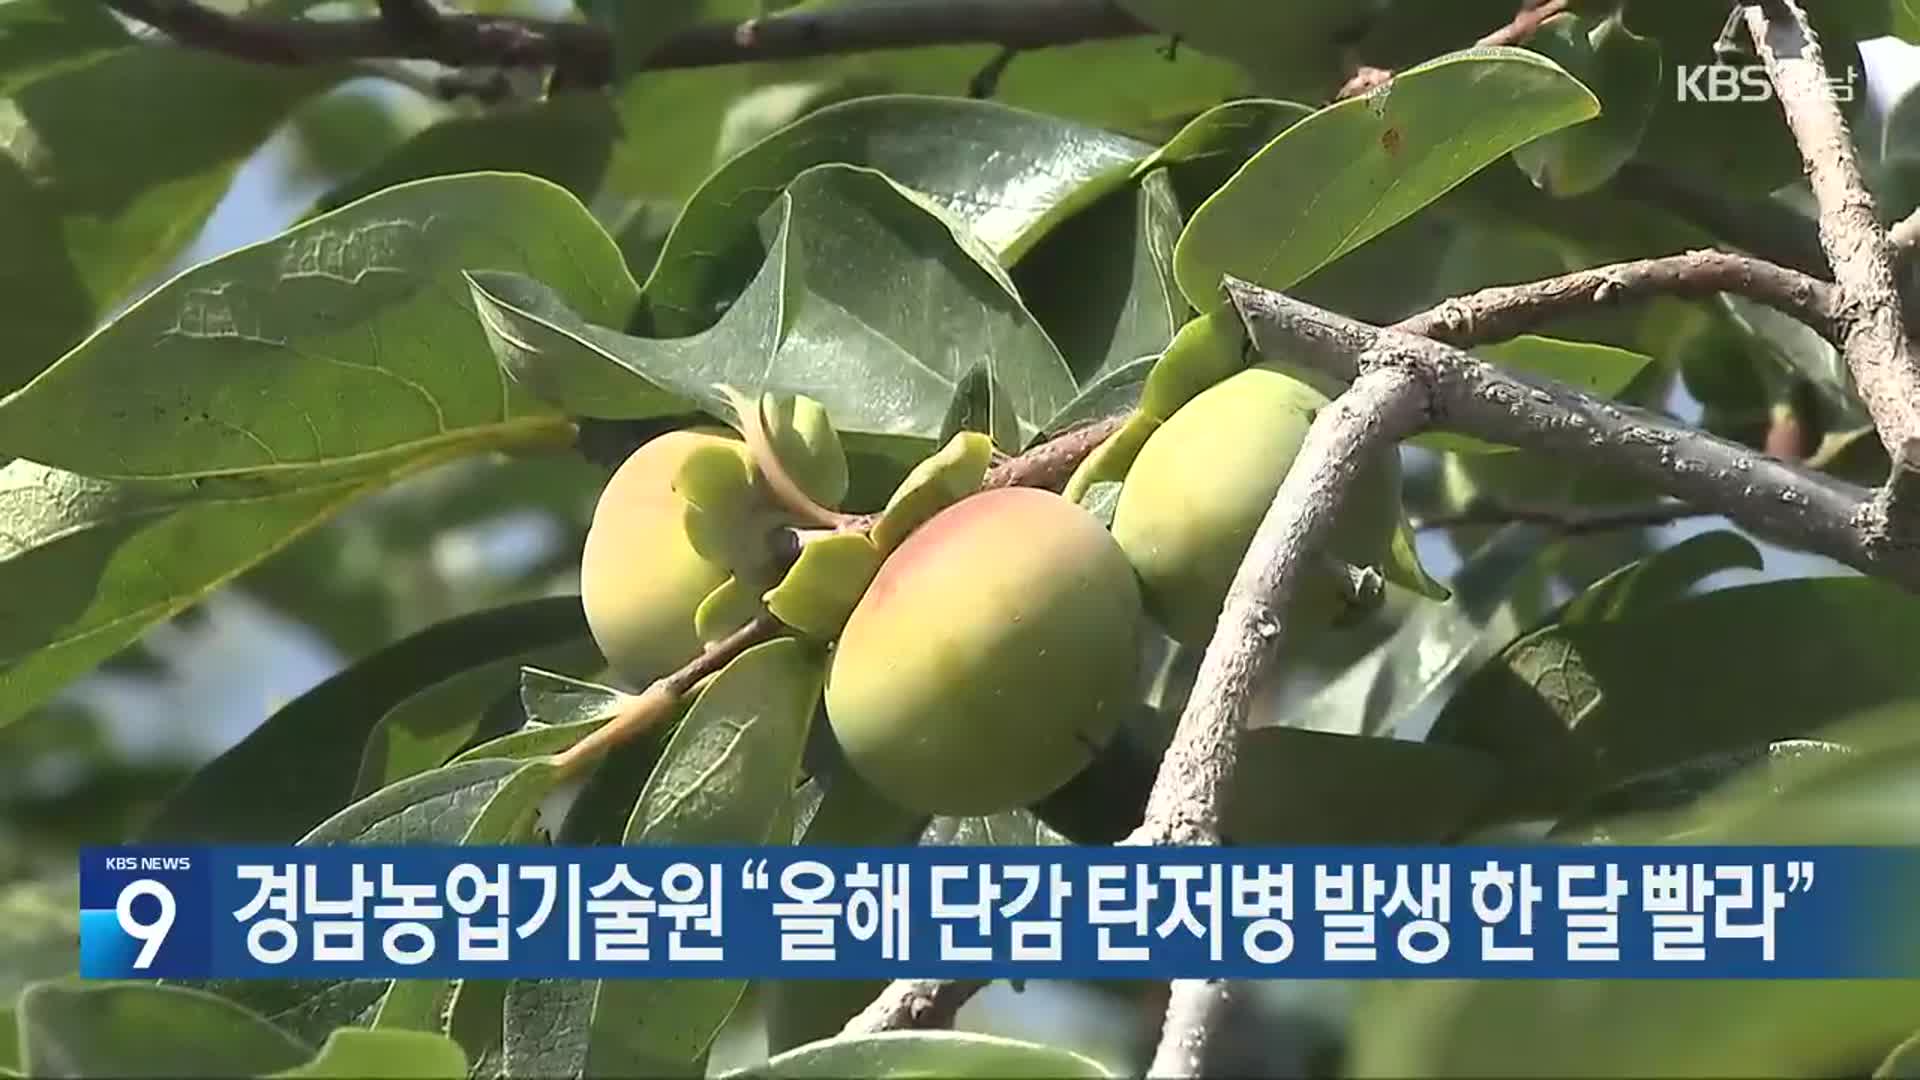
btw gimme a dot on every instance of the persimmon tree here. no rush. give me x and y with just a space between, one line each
1340 370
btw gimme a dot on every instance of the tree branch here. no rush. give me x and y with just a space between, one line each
1879 353
403 30
1568 520
1783 502
1506 311
914 1003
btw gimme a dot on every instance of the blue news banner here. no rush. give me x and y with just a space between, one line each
1054 912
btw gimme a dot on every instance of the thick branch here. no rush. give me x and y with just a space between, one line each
1189 791
1784 502
1197 1011
1051 463
400 32
914 1003
1879 354
1506 311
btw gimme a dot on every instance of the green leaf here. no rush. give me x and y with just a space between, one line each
1574 708
1204 352
98 196
550 698
86 564
1352 170
926 1053
1600 370
1662 577
1903 1063
938 482
819 593
1623 70
477 802
868 302
1101 283
566 139
39 938
1317 787
338 349
1116 392
10 1059
1212 146
1005 174
1109 462
1402 677
725 778
405 1055
43 37
1009 828
435 807
434 723
299 767
140 1029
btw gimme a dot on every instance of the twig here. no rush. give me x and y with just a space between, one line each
1051 463
1905 235
1506 311
1879 353
914 1003
1774 499
1569 520
1524 24
462 40
1196 1012
641 712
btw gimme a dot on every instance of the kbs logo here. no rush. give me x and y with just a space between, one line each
1726 82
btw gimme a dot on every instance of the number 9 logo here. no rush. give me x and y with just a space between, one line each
149 934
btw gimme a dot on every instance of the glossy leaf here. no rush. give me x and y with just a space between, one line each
1101 283
97 197
1348 173
1402 677
296 769
140 1029
1571 709
350 1053
86 564
938 482
819 593
867 302
1009 828
1624 72
926 1053
1212 146
1317 787
725 778
567 139
432 724
1005 174
43 37
1662 577
341 348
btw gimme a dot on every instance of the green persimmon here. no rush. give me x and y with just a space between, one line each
1204 480
640 578
991 658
